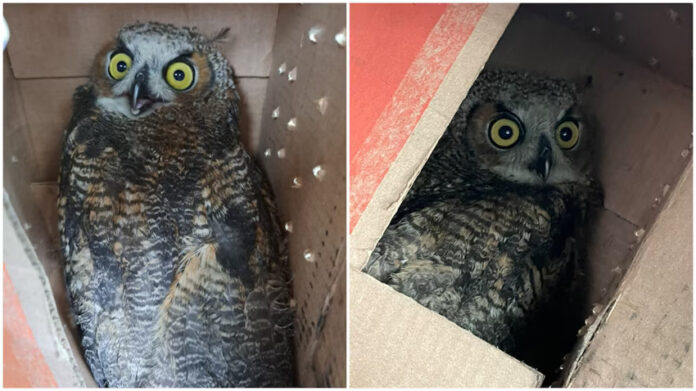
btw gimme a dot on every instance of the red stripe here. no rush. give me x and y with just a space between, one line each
23 363
386 40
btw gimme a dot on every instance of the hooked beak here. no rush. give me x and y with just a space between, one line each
544 159
138 91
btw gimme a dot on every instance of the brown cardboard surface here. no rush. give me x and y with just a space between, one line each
432 351
60 40
48 105
329 362
669 40
317 208
611 244
647 339
19 159
252 91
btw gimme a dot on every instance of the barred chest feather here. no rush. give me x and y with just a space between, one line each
170 241
489 263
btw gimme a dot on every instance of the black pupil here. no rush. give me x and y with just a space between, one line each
566 134
179 75
121 66
505 132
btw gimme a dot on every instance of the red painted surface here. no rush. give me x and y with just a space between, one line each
23 363
399 56
384 41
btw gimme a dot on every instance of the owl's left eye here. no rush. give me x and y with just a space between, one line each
567 134
504 132
180 75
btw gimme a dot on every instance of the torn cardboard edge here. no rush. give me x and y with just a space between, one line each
51 336
683 189
310 349
393 338
576 356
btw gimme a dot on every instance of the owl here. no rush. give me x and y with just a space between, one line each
491 233
175 265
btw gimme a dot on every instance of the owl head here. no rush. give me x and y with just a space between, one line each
151 66
526 129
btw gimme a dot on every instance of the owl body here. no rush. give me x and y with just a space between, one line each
175 265
491 234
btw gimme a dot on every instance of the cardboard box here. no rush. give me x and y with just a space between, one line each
51 49
644 152
314 145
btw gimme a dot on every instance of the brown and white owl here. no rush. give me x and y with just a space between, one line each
491 233
175 265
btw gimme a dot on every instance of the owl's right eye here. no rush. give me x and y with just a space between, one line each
504 132
119 65
180 75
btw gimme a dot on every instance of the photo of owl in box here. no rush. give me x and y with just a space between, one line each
492 233
176 269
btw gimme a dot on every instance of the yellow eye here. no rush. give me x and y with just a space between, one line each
567 134
179 75
119 65
504 133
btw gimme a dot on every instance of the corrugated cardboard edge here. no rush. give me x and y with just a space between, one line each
646 332
432 124
393 339
38 304
587 334
396 342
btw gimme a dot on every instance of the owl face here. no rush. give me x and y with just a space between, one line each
529 130
152 65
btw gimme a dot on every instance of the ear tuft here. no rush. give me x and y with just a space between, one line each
221 36
583 83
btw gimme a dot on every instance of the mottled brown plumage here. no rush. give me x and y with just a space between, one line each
175 264
491 233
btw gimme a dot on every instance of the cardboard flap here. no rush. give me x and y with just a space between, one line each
396 342
647 335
